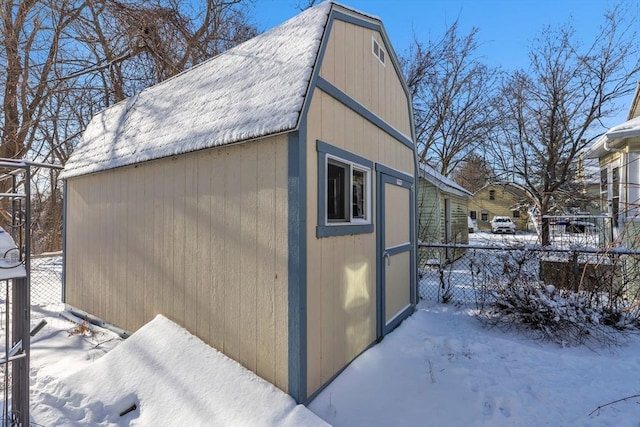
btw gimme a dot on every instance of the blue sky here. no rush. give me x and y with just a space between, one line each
506 27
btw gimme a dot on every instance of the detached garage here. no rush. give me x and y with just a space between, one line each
264 200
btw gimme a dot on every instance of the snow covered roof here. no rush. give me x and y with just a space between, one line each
442 182
256 89
615 135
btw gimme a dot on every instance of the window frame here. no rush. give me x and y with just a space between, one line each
328 154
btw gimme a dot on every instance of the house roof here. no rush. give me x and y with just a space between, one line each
510 187
442 182
256 89
614 137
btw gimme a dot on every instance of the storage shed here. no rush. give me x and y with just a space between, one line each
443 214
264 200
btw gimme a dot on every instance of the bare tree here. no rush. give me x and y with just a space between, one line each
61 61
551 110
452 92
473 173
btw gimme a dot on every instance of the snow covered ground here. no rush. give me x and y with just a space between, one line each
440 368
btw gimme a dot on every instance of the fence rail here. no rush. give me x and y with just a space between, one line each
467 274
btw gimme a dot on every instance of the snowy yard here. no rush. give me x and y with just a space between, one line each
440 367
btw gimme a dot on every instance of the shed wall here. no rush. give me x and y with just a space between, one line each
200 238
350 65
341 270
431 226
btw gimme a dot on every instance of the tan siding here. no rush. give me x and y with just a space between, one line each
341 270
200 238
349 64
281 278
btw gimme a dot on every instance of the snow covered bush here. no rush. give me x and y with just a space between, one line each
568 313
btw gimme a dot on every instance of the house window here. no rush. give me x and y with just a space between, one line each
492 194
473 215
344 192
484 216
516 213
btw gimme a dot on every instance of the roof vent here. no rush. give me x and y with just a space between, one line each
378 51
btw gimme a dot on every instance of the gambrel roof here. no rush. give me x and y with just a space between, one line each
256 89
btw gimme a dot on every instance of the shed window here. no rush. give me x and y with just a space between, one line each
378 51
344 192
347 187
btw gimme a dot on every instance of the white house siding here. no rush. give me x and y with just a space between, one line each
200 238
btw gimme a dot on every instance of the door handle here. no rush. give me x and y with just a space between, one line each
387 257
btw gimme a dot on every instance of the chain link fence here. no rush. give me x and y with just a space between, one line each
472 274
46 279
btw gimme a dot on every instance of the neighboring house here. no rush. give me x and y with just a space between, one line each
264 200
618 154
442 213
500 199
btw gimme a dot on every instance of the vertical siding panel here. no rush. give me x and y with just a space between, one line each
328 61
281 260
327 282
179 252
218 250
339 296
155 243
169 236
358 63
367 75
340 49
339 126
119 249
327 118
93 270
248 254
135 235
233 213
203 259
189 282
314 256
351 67
265 265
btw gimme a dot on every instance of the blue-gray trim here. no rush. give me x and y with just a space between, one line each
341 16
64 240
297 264
325 148
386 175
360 109
328 230
409 180
342 230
